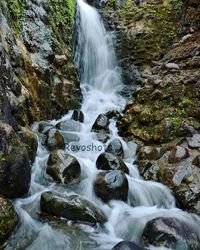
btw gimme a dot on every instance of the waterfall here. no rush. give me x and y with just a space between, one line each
94 54
100 80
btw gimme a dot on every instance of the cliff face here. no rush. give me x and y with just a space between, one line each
159 42
39 77
158 48
38 80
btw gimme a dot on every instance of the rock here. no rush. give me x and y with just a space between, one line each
101 123
72 207
151 152
102 136
8 219
44 127
196 161
15 169
115 147
111 185
114 114
194 142
127 245
63 167
69 125
78 115
195 61
53 139
70 137
184 181
170 233
30 141
108 161
60 60
177 154
172 66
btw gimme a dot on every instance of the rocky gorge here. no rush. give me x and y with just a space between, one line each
157 49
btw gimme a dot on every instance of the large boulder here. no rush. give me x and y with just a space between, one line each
108 161
53 139
63 167
72 207
8 219
15 169
170 233
115 147
127 245
111 185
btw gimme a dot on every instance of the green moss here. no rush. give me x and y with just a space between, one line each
8 219
62 18
155 26
16 8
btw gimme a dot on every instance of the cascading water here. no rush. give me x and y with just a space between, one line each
94 54
100 80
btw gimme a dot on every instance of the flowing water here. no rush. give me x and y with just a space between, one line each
100 83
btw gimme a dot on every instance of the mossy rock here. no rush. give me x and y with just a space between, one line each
8 219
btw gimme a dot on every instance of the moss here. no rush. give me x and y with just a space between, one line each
16 8
62 17
8 219
154 25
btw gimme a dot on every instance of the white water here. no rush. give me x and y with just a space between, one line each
100 80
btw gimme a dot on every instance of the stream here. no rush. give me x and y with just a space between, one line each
101 85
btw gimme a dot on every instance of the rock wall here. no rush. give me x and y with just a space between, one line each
38 80
158 46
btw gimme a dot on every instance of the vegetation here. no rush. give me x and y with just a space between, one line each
16 9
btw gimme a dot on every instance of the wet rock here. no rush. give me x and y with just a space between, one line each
102 136
8 219
72 207
69 125
194 142
151 152
172 66
196 161
170 233
15 169
184 181
114 114
70 137
101 123
111 185
30 141
127 245
63 167
108 161
78 115
115 147
44 127
177 154
53 139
